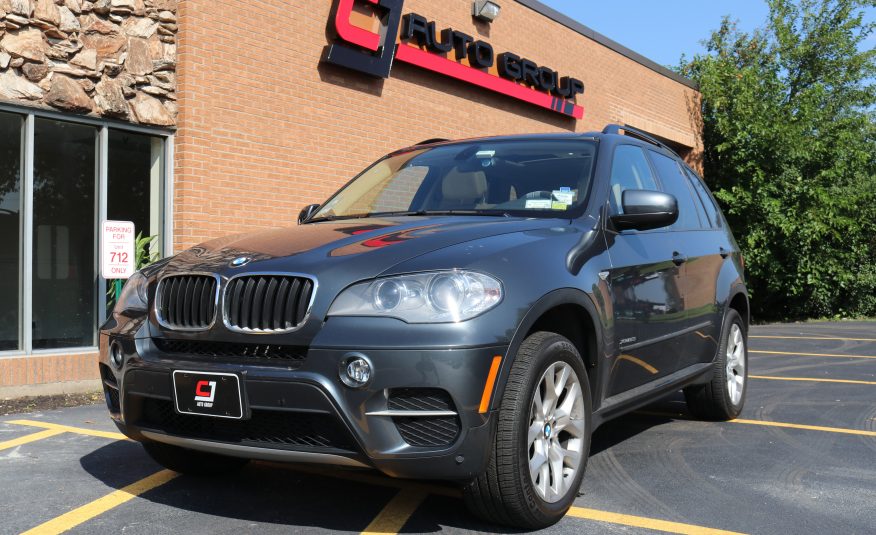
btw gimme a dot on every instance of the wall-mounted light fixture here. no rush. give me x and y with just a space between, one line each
485 10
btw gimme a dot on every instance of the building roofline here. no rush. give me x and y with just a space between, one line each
574 25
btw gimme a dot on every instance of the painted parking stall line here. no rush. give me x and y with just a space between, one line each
771 337
645 522
99 506
396 513
812 380
788 425
33 437
70 429
800 354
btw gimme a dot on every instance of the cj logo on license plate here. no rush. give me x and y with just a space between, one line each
205 393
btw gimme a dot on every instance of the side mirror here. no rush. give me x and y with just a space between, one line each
645 209
307 211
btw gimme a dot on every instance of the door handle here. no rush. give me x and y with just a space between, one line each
678 258
724 252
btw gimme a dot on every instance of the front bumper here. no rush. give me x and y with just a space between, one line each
302 412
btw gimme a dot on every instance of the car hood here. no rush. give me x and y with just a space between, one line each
344 251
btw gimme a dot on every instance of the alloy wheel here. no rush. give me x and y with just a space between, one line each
556 432
735 364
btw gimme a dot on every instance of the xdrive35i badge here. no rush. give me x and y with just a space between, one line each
241 261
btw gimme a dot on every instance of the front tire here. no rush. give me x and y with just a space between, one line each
724 396
192 462
542 441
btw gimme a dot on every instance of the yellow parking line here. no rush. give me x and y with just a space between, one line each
644 522
70 429
813 379
807 427
33 437
101 505
396 513
766 423
813 338
798 354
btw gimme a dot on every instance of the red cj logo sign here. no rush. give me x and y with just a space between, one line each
205 393
448 52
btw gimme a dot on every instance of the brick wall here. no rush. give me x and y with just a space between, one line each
34 370
265 129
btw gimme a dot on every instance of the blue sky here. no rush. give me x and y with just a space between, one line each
662 30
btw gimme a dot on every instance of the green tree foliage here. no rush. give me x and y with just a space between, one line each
789 125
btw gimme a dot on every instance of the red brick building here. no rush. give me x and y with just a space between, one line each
200 118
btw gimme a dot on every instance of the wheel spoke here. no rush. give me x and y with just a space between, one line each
557 480
575 427
536 430
537 406
537 463
570 400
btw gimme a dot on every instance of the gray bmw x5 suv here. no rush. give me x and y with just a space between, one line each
462 310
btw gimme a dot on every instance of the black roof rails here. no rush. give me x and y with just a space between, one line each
638 134
432 140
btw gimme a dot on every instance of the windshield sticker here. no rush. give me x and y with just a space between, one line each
564 195
559 205
538 204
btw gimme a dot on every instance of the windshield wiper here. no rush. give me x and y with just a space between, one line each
405 213
489 213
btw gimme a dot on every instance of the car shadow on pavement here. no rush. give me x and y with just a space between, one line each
662 412
316 497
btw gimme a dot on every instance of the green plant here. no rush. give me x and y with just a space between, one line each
145 253
789 128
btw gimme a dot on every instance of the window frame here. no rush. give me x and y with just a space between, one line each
26 230
654 176
719 214
694 196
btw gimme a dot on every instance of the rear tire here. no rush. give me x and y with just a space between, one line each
549 433
723 397
186 461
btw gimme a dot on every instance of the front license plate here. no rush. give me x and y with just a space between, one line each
208 394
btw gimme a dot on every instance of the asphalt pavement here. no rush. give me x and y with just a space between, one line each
799 460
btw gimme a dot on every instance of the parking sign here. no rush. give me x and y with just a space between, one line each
117 250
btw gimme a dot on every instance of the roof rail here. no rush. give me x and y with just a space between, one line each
638 134
431 140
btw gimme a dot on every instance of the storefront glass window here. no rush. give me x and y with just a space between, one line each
10 231
52 296
134 183
64 222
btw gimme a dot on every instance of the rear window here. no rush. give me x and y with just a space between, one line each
712 212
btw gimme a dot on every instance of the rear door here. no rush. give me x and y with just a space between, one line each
645 282
699 260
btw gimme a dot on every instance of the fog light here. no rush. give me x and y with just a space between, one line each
116 354
355 370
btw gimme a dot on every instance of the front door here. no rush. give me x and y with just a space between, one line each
646 281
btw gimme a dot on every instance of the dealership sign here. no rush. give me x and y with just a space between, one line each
413 39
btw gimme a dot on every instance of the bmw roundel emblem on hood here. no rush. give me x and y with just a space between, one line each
240 261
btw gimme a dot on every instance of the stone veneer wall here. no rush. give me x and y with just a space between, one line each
107 58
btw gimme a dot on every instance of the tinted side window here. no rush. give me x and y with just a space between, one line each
629 170
675 183
708 202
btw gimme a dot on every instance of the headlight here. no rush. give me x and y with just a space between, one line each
134 295
436 297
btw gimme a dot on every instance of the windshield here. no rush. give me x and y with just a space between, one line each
534 178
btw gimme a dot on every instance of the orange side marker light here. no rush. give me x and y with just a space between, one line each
488 387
